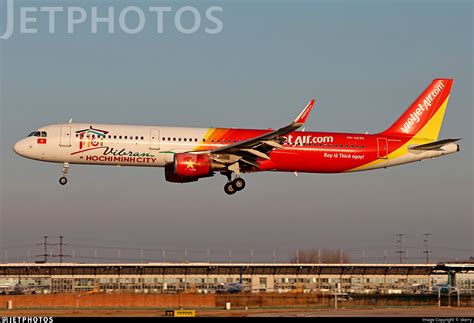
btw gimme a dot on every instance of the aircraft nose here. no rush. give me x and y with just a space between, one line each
19 147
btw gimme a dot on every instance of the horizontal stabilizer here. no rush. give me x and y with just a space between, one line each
435 144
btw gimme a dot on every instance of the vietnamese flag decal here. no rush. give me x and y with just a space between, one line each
41 141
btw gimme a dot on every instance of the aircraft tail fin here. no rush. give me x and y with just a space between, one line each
424 117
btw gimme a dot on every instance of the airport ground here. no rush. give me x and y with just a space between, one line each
427 311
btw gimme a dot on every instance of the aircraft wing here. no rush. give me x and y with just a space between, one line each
249 150
435 145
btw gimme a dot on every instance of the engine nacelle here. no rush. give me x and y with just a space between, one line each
190 167
170 176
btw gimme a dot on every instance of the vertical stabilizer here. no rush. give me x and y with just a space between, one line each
424 117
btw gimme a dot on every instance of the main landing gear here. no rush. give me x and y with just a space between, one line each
233 186
63 179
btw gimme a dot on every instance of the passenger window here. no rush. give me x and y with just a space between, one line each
120 137
362 147
185 139
142 137
161 138
115 137
179 139
125 137
174 139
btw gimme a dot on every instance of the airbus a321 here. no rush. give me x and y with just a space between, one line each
189 154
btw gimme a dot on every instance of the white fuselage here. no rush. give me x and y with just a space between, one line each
155 146
118 145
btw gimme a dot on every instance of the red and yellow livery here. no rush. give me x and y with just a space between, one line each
189 154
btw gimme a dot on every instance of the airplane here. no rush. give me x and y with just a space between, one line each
20 289
443 289
232 288
12 289
189 154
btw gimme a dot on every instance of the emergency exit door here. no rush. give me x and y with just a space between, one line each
65 138
155 139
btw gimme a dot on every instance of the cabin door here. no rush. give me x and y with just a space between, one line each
382 146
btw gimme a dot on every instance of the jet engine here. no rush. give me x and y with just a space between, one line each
190 167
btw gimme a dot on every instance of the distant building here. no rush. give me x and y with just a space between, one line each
209 278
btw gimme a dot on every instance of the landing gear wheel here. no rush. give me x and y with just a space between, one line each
239 184
63 180
229 188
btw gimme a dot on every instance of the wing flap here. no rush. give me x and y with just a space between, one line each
256 153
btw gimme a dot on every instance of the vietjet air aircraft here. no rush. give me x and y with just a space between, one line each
188 154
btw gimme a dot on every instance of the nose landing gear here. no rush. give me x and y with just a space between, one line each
63 179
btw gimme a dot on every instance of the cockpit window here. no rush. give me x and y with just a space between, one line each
38 134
